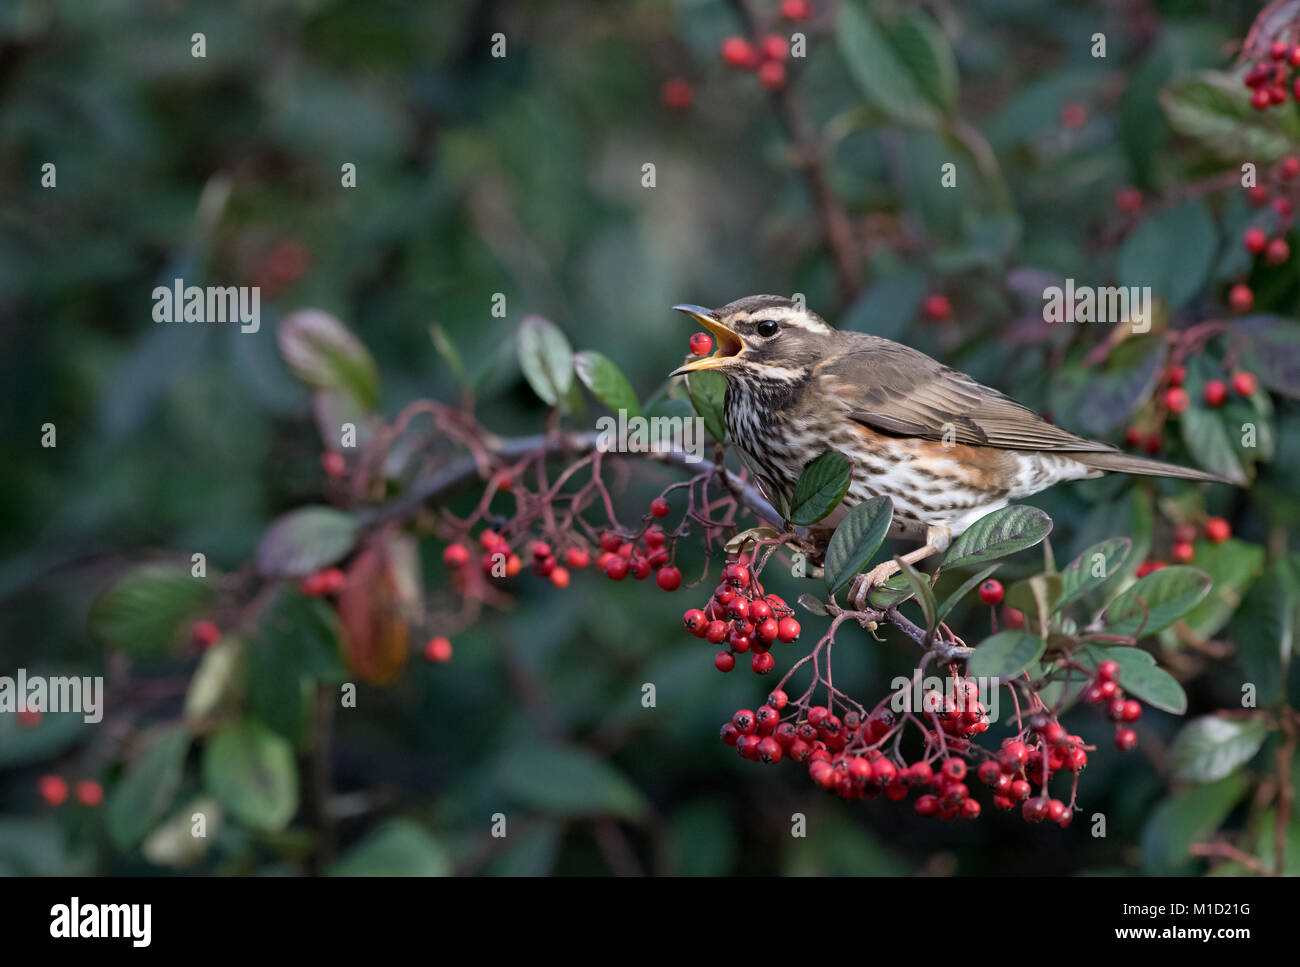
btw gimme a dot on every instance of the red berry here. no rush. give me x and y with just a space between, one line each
659 507
796 9
616 567
89 792
333 464
1128 200
1132 710
762 662
1108 671
1147 567
775 47
778 699
438 650
1215 392
29 718
53 789
1074 116
955 769
724 661
787 630
991 592
577 557
669 578
970 809
927 805
1257 195
1278 50
738 52
936 307
206 634
1240 298
701 344
455 556
1177 399
1277 252
1259 98
772 75
1125 739
677 93
1290 166
610 542
1217 530
1131 436
769 750
1283 207
559 575
696 622
1056 810
1035 810
1182 552
716 632
728 734
1255 240
1294 57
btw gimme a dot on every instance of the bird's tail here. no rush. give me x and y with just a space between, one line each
1118 462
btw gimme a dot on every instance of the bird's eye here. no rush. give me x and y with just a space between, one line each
767 328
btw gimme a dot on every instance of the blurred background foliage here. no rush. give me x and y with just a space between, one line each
522 175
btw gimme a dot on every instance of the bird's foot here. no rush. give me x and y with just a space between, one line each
863 583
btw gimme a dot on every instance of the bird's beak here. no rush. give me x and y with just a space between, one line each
729 344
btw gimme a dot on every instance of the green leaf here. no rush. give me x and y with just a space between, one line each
923 592
306 540
606 382
1005 654
857 537
1035 597
707 391
173 842
323 352
546 358
1207 437
1139 676
1113 392
998 534
149 608
1093 568
813 605
216 683
1264 629
1214 109
1272 351
399 847
1209 748
821 487
144 794
568 781
972 582
250 771
1154 602
1232 567
884 78
1171 252
1185 818
923 49
894 591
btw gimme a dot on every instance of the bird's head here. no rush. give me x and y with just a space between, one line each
763 336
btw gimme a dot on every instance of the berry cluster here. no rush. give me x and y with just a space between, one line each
1119 709
744 618
766 58
1268 79
53 789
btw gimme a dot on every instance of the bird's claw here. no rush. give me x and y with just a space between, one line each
863 583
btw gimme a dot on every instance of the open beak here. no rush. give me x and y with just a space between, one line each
729 344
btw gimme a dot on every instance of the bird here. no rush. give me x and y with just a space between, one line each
946 449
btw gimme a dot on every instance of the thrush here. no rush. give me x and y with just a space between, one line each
946 449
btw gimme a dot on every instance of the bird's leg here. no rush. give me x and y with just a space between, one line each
937 540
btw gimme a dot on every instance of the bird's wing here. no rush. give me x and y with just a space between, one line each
895 389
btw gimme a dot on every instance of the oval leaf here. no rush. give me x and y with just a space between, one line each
546 358
1154 602
606 382
397 848
998 534
147 610
1093 568
569 782
250 771
306 540
821 487
1171 252
858 537
1005 654
1209 748
320 350
142 796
